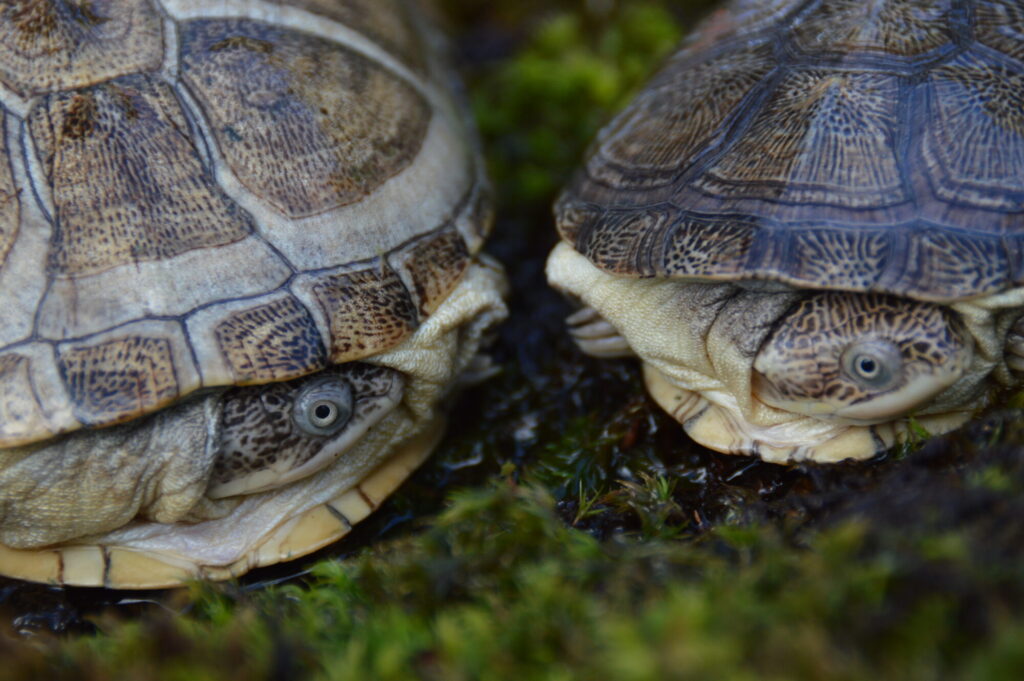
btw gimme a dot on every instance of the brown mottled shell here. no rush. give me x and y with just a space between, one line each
859 145
198 194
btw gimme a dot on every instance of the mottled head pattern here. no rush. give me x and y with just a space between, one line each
862 358
274 434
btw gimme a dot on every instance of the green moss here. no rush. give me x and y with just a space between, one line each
538 110
498 587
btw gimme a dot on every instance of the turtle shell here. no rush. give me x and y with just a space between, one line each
201 194
833 144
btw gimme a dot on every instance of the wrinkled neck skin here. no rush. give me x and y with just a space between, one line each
154 489
699 341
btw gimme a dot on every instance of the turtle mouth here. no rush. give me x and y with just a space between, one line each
899 402
869 410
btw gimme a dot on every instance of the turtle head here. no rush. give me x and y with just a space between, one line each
860 358
274 434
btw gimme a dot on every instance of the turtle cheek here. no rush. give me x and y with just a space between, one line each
266 444
809 393
793 370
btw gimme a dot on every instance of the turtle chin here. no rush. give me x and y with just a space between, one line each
715 420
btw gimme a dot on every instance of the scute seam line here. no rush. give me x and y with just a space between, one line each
338 514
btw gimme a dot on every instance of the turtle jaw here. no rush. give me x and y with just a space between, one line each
715 421
918 391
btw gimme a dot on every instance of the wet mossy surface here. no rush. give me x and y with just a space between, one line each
567 528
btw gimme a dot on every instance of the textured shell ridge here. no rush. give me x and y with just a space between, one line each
884 140
147 306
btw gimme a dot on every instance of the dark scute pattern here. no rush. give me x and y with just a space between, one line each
739 18
823 257
618 243
340 125
572 216
127 182
900 28
999 24
435 265
941 265
368 311
716 250
271 342
658 134
974 141
118 380
881 149
823 137
48 45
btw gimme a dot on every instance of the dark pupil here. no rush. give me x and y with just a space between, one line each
868 366
322 411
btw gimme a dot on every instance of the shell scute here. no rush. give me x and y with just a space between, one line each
974 144
941 264
741 19
10 204
20 414
270 342
431 267
116 156
119 379
619 242
49 45
340 125
718 249
823 256
658 135
572 216
368 310
894 28
822 137
385 22
999 24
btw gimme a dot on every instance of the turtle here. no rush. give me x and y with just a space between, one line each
809 225
240 270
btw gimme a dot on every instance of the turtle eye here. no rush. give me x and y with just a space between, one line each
323 407
875 364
